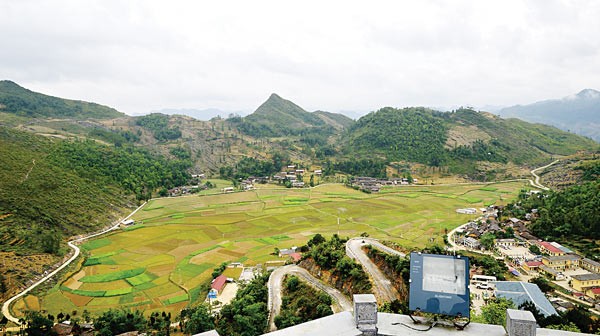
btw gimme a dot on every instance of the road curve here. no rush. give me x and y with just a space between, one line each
76 251
340 301
537 183
382 286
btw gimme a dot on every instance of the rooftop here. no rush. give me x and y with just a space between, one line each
520 292
550 247
586 277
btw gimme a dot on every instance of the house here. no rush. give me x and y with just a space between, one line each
589 265
287 252
128 222
299 171
562 262
520 292
472 243
219 283
318 172
551 272
532 266
549 249
583 282
298 184
594 293
507 242
295 257
227 189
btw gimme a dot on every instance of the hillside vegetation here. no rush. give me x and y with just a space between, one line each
53 188
17 100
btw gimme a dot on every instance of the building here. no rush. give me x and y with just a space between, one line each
583 282
520 292
507 242
219 283
295 257
550 249
562 262
531 266
589 265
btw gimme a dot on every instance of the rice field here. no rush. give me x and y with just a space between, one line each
165 261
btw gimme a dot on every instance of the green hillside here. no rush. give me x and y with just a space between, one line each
457 139
54 188
19 101
279 117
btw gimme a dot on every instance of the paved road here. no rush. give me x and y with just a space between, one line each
340 301
537 183
382 286
6 306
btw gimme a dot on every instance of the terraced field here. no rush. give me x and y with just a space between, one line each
165 261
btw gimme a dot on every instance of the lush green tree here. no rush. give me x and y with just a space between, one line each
566 327
114 322
37 324
487 240
494 312
197 319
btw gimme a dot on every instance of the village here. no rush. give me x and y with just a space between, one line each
575 279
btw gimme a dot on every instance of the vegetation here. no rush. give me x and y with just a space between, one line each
331 255
494 312
22 102
196 320
301 303
489 264
158 124
114 322
247 314
248 166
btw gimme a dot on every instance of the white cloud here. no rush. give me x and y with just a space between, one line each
140 56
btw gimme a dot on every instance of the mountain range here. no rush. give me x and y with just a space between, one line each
578 113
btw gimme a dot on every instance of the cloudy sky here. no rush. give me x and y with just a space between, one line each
139 56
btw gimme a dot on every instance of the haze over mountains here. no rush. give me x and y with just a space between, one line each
578 113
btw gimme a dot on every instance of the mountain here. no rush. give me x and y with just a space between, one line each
17 100
457 139
579 113
280 117
204 114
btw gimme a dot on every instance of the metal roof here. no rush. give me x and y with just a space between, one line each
520 292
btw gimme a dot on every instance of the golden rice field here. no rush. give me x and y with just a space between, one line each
165 261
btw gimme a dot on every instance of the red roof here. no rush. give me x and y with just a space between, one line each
550 247
219 282
296 256
596 290
533 263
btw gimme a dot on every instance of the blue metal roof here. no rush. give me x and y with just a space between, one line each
520 292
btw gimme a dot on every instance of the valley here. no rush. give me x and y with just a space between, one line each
164 262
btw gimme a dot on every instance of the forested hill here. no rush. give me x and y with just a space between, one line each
53 188
453 138
280 117
17 100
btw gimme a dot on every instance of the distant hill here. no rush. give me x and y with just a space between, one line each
203 114
281 117
17 100
456 139
579 113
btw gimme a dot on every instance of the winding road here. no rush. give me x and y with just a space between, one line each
76 251
382 286
534 183
340 301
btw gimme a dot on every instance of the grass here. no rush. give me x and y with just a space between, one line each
183 239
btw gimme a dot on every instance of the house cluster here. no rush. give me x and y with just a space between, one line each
291 254
372 184
294 175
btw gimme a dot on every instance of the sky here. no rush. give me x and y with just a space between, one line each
338 56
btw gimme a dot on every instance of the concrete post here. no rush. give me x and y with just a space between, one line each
365 313
520 323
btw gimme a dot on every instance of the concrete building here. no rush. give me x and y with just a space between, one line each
520 292
583 282
590 265
562 262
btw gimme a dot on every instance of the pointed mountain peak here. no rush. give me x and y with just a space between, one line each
588 93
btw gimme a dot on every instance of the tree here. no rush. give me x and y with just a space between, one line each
37 324
487 240
196 320
535 250
495 311
316 240
114 322
566 327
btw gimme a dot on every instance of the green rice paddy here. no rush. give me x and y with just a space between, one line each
166 262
